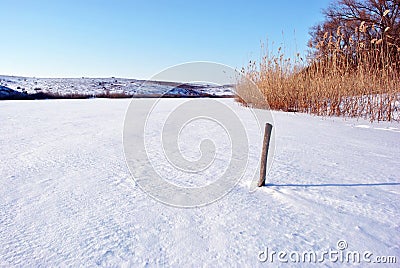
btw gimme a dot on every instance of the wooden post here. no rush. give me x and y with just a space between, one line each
264 154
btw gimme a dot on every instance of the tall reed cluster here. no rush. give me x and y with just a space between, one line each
364 82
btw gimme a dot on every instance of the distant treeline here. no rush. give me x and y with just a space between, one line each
48 95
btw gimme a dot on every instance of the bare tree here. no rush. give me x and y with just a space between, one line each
352 26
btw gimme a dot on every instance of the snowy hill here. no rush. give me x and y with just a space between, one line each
67 197
98 86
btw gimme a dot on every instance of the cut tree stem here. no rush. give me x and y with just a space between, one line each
264 154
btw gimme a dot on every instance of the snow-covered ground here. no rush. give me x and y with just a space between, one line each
96 86
67 197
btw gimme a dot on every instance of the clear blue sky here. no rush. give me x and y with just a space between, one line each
137 39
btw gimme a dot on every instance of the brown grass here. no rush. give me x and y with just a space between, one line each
366 85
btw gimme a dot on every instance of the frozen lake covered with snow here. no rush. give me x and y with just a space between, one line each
67 196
